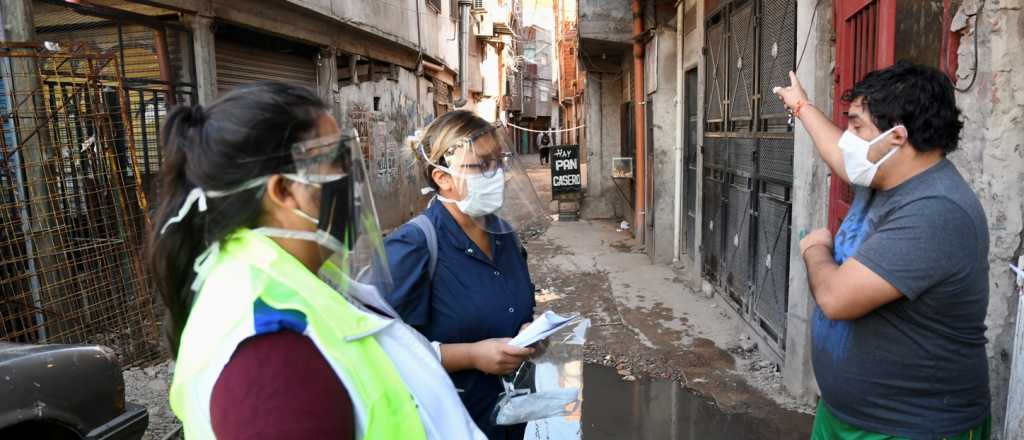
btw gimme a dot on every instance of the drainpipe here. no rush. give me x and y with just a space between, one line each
639 213
680 123
463 52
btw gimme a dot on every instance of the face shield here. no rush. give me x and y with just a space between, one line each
347 229
486 181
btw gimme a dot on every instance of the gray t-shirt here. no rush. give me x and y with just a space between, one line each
915 367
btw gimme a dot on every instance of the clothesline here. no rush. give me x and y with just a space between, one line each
544 131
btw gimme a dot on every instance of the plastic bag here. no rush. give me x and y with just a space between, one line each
549 385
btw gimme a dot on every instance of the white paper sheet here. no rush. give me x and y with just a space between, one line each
542 327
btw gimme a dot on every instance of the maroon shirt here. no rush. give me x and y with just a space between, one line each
279 386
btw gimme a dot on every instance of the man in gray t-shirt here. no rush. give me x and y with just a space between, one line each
902 291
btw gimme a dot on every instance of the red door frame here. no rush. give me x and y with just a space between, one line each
850 63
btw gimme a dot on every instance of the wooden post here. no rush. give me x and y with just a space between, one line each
205 63
327 80
1015 397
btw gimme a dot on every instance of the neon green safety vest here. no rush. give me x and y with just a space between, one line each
248 276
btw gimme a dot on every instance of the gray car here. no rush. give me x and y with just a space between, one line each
65 392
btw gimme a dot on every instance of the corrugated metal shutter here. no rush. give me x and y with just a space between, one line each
238 64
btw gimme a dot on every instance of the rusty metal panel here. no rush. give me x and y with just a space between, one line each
72 209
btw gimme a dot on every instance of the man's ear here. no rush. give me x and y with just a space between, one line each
899 136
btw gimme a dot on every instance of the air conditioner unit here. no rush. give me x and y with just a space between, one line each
483 26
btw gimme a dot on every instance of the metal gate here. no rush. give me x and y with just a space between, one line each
748 158
72 210
154 57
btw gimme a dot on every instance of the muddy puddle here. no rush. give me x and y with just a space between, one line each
649 410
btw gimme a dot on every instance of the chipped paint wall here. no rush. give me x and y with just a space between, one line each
991 158
385 114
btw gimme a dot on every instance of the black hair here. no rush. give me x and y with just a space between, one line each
214 149
919 97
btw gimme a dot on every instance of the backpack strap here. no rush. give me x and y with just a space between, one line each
421 221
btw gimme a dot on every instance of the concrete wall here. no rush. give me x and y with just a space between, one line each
664 128
991 158
603 135
395 20
609 20
395 178
810 198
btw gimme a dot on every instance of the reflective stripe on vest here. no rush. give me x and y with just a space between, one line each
252 286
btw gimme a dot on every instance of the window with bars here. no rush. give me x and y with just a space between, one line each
434 5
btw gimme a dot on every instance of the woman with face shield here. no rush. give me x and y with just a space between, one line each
460 271
268 257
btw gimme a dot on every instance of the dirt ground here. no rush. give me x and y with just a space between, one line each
647 322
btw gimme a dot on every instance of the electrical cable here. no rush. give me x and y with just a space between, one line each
544 131
977 27
810 29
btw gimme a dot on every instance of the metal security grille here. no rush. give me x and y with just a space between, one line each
711 238
741 65
771 265
775 159
716 77
748 148
741 155
736 266
716 151
72 209
777 52
154 55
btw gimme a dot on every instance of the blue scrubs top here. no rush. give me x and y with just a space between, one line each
471 298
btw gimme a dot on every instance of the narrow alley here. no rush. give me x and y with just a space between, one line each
663 360
723 189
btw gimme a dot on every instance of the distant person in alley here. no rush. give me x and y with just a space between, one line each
266 253
902 290
461 276
544 141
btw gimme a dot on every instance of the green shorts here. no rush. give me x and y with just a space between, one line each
828 427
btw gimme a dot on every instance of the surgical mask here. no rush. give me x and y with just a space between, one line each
859 169
485 194
335 228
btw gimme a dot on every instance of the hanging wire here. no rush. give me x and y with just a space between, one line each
544 131
977 27
807 38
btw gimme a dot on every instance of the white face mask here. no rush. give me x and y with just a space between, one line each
485 194
859 169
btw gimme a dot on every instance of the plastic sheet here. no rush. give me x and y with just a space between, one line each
549 385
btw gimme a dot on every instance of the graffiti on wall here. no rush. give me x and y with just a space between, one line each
383 129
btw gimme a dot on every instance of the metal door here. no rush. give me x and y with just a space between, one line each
865 39
238 64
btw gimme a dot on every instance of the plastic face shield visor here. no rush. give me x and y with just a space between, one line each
488 182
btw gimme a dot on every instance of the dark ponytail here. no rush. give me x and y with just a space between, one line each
243 135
